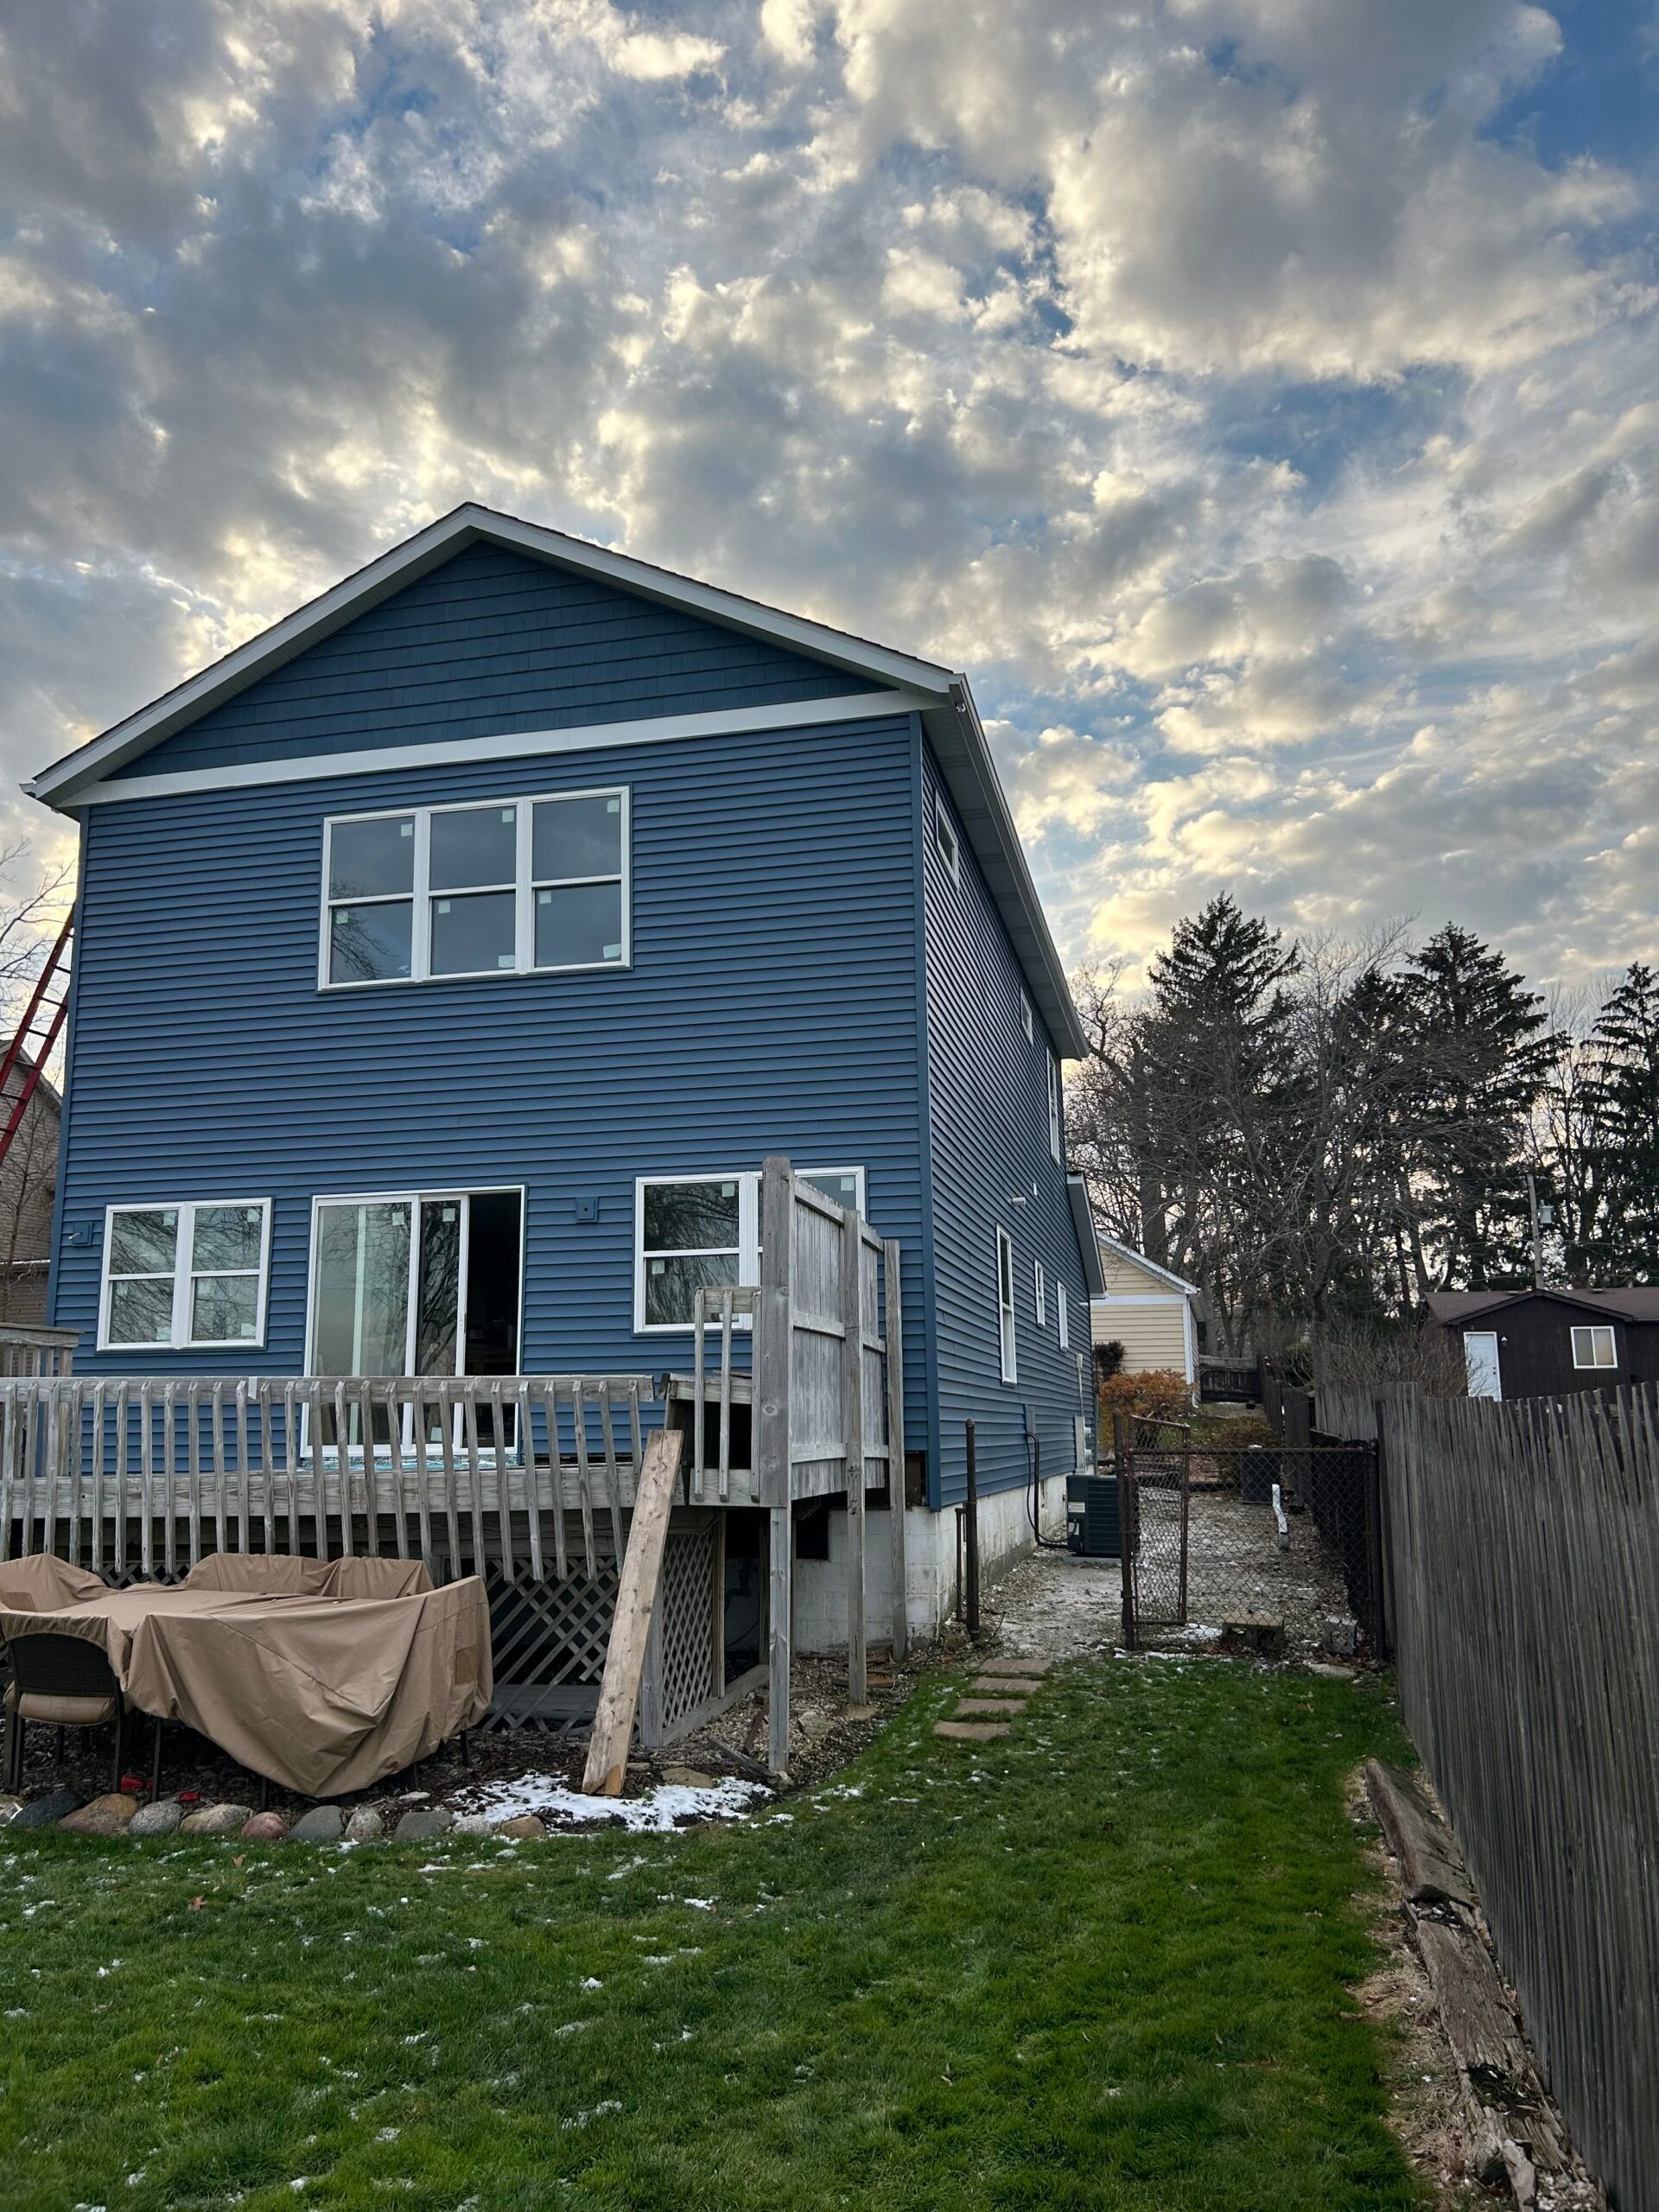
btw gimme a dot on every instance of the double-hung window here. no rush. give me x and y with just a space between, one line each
1039 1293
186 1275
1063 1316
1594 1347
512 887
1054 1106
702 1231
1006 1343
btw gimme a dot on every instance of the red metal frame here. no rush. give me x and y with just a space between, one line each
38 1058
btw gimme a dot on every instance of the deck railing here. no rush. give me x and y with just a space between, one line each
27 1351
148 1474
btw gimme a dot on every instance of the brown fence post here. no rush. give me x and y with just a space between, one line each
1384 1530
972 1535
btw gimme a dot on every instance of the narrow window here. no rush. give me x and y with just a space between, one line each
186 1275
1025 1017
576 880
944 837
472 860
1005 1306
1594 1347
1040 1291
1054 1108
1063 1316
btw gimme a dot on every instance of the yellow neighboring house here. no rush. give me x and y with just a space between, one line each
1148 1310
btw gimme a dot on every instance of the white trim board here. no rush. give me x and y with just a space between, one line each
515 745
1139 1297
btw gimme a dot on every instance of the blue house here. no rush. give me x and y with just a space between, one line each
448 958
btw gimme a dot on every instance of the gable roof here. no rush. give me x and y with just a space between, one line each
1637 1302
1140 1260
939 695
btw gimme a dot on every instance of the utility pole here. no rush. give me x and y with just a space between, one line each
1546 1215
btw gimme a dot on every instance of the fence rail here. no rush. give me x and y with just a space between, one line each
1523 1541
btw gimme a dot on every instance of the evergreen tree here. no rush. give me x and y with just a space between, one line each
1625 1049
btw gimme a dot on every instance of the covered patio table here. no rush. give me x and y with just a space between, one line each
322 1694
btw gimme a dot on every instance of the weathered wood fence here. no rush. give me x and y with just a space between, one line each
1523 1541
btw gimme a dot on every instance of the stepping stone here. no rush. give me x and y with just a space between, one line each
159 1819
265 1827
996 1686
1021 1666
990 1708
364 1825
322 1824
971 1731
216 1820
522 1825
110 1815
423 1823
46 1812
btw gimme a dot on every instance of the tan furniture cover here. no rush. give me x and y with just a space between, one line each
325 1695
276 1574
41 1583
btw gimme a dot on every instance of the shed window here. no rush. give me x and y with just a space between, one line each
1055 1103
1006 1342
513 887
699 1231
1594 1347
186 1275
1039 1293
1063 1316
944 837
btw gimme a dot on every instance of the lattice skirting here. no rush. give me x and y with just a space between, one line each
689 1623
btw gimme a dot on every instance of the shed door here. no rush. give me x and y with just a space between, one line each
1480 1356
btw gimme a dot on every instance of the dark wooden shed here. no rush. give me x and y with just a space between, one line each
1539 1343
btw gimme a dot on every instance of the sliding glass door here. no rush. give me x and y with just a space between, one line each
421 1283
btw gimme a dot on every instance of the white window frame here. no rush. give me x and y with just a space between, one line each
184 1275
1039 1293
1062 1315
1056 1138
748 1233
524 886
946 843
415 1199
1591 1330
1008 1338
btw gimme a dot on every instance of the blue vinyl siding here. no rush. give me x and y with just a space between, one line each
493 642
771 1006
987 1139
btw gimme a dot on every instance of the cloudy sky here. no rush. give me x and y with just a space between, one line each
1260 397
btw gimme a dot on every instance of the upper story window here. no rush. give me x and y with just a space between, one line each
1594 1347
186 1275
516 887
1025 1017
1039 1293
1055 1144
944 836
1007 1343
1063 1316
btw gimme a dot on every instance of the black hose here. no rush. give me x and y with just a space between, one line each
1034 1497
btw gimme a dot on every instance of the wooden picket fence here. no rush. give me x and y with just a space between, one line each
1523 1544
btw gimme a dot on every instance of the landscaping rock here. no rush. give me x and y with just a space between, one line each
322 1824
474 1824
690 1777
159 1819
426 1820
364 1825
46 1812
216 1820
265 1827
110 1815
522 1826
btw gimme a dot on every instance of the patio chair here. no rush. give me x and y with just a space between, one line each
65 1681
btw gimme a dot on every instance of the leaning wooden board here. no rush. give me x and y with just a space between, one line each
642 1576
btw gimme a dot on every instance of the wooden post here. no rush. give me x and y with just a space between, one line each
893 1326
773 1326
972 1533
852 1424
636 1595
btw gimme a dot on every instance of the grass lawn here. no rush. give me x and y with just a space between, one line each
1104 1962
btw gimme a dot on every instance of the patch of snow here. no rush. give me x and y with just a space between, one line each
658 1811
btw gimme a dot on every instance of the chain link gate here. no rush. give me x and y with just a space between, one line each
1281 1544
